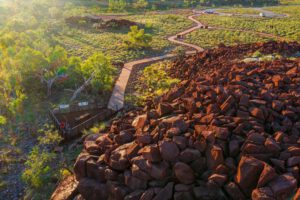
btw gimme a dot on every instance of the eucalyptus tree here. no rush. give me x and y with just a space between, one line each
97 71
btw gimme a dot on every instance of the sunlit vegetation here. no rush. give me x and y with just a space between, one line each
251 11
154 81
35 70
44 61
212 38
83 42
137 38
123 4
289 2
288 27
46 164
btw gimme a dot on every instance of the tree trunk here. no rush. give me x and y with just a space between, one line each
50 84
81 88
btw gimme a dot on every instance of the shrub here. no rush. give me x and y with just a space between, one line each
38 170
137 38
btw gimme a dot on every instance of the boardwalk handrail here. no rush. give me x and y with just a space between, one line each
74 107
52 115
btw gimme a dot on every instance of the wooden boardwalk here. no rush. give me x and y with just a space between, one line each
117 98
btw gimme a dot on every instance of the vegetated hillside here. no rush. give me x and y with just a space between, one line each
185 3
229 130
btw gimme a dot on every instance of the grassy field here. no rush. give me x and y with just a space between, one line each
85 42
289 2
211 38
240 11
288 27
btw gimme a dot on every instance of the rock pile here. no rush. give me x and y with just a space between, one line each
118 23
98 22
227 131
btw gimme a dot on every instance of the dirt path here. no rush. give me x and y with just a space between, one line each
117 98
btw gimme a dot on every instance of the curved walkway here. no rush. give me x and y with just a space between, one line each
117 98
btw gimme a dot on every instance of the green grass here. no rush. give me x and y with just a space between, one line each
240 11
153 81
289 2
288 27
211 38
85 42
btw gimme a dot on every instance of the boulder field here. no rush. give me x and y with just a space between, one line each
229 130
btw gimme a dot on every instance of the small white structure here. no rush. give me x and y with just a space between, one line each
64 106
262 14
83 103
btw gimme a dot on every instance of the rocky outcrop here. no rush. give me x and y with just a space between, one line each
229 130
66 189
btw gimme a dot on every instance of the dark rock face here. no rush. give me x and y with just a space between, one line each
66 190
93 190
184 173
229 130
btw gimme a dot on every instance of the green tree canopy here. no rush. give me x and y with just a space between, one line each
137 38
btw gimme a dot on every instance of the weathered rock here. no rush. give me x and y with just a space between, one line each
257 113
148 194
118 159
207 193
144 139
214 156
159 170
219 179
297 195
133 182
169 150
248 174
95 171
139 122
226 121
189 155
221 133
124 136
183 188
166 193
227 104
80 166
180 141
137 172
92 148
132 150
234 148
164 109
134 195
151 153
93 190
264 193
272 146
111 174
283 186
184 173
293 161
66 190
234 191
117 192
267 174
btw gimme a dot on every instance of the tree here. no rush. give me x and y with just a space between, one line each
137 38
98 72
34 64
117 5
141 4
